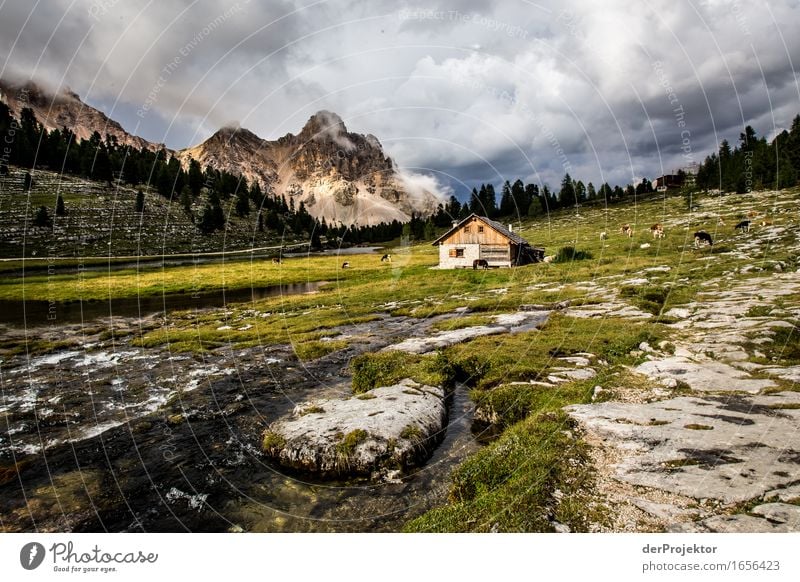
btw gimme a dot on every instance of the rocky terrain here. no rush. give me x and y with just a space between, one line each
56 110
342 176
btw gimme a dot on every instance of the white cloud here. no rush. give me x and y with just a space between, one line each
476 89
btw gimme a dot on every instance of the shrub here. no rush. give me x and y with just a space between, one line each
569 254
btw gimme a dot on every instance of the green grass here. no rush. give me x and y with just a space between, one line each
311 350
387 368
506 485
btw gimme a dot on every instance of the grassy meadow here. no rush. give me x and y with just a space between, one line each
509 484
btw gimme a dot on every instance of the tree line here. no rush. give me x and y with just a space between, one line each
28 145
754 163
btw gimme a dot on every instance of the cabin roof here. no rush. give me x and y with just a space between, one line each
512 236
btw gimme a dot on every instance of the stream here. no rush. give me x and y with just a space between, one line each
115 437
37 313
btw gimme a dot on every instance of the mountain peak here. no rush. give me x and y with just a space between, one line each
324 124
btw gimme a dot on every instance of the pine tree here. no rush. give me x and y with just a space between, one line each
42 218
507 205
139 206
60 210
242 204
566 196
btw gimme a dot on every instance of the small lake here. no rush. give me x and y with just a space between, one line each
39 313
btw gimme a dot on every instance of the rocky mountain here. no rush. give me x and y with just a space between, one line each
342 176
65 109
339 175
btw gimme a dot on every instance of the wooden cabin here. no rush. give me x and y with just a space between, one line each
477 238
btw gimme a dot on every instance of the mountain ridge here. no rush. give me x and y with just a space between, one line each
342 176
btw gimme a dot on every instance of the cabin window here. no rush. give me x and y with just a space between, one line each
480 230
466 229
457 253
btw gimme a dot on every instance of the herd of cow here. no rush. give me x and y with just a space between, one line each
701 237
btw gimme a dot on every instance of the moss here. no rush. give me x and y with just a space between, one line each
759 310
348 443
411 432
651 298
272 442
312 410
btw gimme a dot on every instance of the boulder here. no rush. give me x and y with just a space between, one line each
394 426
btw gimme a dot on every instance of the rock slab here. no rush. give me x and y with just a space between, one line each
388 427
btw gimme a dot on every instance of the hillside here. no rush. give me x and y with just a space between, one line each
102 220
65 109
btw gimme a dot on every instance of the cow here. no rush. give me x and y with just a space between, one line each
744 226
721 221
657 230
764 223
752 214
603 235
701 237
276 261
626 230
386 259
480 264
346 265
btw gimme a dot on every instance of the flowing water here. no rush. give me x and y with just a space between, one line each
113 437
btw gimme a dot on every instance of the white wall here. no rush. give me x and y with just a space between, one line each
471 253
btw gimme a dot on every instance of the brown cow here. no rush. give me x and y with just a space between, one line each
657 230
626 230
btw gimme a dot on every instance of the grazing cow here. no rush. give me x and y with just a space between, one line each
721 221
626 230
701 237
752 214
386 259
657 230
480 264
744 226
276 261
603 235
346 265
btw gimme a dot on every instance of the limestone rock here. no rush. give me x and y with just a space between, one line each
392 426
729 448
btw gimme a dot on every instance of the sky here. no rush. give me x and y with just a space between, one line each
464 91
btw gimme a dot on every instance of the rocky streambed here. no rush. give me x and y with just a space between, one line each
111 436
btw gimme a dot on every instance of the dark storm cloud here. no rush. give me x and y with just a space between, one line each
477 89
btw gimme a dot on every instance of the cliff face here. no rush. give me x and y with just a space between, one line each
341 176
65 109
